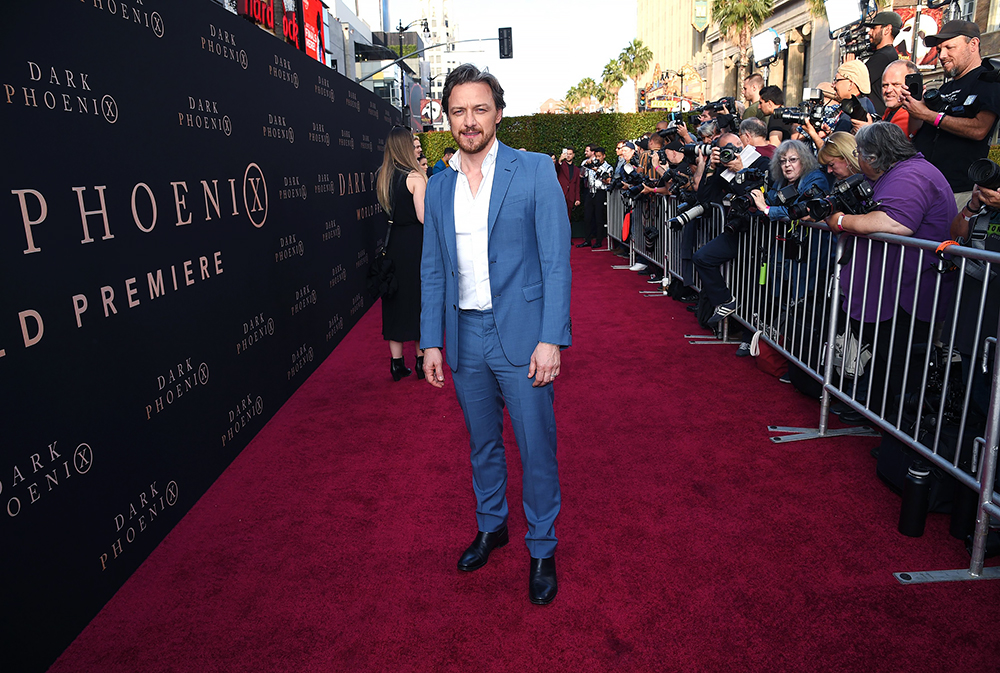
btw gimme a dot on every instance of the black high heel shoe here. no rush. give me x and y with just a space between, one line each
420 367
398 369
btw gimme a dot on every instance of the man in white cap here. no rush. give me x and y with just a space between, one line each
958 132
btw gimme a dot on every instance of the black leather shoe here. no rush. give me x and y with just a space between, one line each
585 244
398 369
420 367
852 417
478 553
542 580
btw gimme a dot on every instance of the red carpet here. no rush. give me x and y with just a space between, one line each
688 541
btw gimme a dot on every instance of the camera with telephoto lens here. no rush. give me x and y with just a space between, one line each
968 107
727 103
694 150
808 111
685 213
852 195
985 173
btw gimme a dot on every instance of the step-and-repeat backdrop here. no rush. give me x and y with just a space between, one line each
188 211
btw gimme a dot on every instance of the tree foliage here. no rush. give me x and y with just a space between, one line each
738 20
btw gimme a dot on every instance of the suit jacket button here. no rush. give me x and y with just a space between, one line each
454 307
452 274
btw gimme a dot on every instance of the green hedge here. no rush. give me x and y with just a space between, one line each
549 133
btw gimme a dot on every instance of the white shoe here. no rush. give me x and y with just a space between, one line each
638 266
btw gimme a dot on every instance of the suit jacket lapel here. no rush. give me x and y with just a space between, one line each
503 172
448 208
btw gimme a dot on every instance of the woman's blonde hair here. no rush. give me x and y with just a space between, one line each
398 156
841 145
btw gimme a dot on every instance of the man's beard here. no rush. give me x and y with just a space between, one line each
470 146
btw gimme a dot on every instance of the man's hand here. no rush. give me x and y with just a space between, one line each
736 165
916 108
434 367
576 203
989 197
714 161
544 366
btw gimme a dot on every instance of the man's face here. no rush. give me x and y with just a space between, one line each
473 116
767 107
957 56
627 153
600 157
875 34
842 87
675 157
588 153
447 157
416 147
750 91
570 155
618 150
893 83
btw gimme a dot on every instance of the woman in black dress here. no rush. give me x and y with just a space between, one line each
401 186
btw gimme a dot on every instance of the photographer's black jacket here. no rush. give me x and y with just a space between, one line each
714 188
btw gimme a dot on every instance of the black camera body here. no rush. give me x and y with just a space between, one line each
739 201
949 104
727 103
728 152
852 195
853 108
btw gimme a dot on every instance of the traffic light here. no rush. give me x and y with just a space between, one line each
506 46
642 98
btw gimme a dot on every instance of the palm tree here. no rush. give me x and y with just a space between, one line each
572 99
611 81
634 61
818 8
738 20
605 96
587 88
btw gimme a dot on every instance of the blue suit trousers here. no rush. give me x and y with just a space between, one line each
485 381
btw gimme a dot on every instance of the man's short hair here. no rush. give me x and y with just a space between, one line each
599 149
755 78
773 94
449 150
905 62
470 74
754 127
655 141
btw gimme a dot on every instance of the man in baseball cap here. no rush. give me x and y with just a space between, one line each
882 31
958 131
852 81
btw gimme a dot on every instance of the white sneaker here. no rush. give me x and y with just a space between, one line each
638 266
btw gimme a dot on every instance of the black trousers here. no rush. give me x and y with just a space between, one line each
595 216
897 343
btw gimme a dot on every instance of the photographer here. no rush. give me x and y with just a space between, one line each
914 200
851 84
595 213
840 156
959 133
771 98
752 86
795 165
882 31
710 257
893 85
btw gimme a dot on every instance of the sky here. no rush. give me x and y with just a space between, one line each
556 43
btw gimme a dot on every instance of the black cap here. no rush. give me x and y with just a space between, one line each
676 145
950 30
885 19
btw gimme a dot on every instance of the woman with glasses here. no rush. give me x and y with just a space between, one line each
401 184
792 164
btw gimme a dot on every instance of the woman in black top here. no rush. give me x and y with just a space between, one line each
401 186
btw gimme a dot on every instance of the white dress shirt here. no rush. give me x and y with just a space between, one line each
472 234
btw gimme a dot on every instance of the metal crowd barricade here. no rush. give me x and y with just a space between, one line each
836 308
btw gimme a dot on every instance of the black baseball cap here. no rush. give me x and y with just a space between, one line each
950 30
885 19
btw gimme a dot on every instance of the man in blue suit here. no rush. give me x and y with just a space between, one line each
495 279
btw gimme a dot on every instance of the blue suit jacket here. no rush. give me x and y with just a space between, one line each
529 242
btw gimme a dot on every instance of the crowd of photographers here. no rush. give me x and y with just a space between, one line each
873 151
